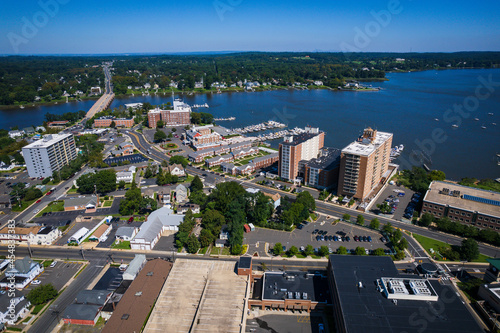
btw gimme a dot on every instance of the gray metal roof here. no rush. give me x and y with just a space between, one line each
80 201
125 231
156 220
135 265
22 266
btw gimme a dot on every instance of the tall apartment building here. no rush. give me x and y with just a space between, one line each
179 116
50 154
364 163
296 148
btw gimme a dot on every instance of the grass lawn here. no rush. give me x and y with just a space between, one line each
107 203
223 251
72 191
54 206
24 205
203 250
248 159
188 179
37 308
124 245
47 263
428 243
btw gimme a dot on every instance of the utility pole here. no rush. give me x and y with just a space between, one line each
83 254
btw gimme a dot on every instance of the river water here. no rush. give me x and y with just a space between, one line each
408 106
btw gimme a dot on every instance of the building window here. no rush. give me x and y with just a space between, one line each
425 205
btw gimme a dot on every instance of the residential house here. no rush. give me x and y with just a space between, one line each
24 271
182 209
126 176
89 204
101 233
275 199
176 170
181 193
13 307
16 134
126 233
218 160
228 168
34 235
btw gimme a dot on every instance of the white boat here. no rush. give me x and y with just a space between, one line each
490 113
454 126
476 119
494 124
436 119
483 127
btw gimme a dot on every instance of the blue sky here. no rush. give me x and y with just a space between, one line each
91 26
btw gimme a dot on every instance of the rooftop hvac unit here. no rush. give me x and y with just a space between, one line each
445 191
455 193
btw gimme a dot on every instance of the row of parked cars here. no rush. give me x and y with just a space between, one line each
411 205
393 201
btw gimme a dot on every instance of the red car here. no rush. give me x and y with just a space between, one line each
130 220
48 193
38 200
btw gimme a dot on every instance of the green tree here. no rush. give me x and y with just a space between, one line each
387 228
346 217
192 245
278 249
384 207
437 175
379 252
341 250
160 124
179 159
159 135
293 251
121 184
375 224
42 294
305 198
174 129
196 184
323 250
360 219
426 220
469 250
113 124
309 250
32 194
236 249
206 238
360 251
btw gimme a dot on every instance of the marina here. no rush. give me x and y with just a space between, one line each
271 124
225 119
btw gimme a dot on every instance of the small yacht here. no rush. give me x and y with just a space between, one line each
494 124
490 113
476 119
454 126
436 119
483 127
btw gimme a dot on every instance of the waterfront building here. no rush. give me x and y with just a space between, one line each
179 116
364 164
323 171
119 122
46 156
296 148
462 204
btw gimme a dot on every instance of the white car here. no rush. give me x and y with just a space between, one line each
36 211
36 282
54 263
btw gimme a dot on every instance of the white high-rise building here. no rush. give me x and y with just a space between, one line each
50 154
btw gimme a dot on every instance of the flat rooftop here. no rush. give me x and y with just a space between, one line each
366 149
48 140
329 159
200 296
468 198
299 138
366 309
295 285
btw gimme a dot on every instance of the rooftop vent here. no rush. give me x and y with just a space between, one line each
139 293
149 274
445 191
125 316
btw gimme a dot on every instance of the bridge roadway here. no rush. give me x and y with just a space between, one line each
106 99
328 208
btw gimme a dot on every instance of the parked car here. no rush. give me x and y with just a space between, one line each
36 282
53 264
131 219
39 200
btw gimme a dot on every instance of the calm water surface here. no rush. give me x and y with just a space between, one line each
407 106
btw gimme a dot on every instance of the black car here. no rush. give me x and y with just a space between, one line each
315 231
300 226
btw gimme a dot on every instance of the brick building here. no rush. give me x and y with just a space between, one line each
180 115
119 122
296 148
322 172
364 164
466 205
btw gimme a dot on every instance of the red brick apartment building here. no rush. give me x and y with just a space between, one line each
364 163
466 205
179 116
119 122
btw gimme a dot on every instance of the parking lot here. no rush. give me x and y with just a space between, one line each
58 275
403 200
134 158
111 237
307 236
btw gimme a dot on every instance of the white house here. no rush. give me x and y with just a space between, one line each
24 271
126 233
15 134
181 193
13 307
160 220
318 83
176 170
126 176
